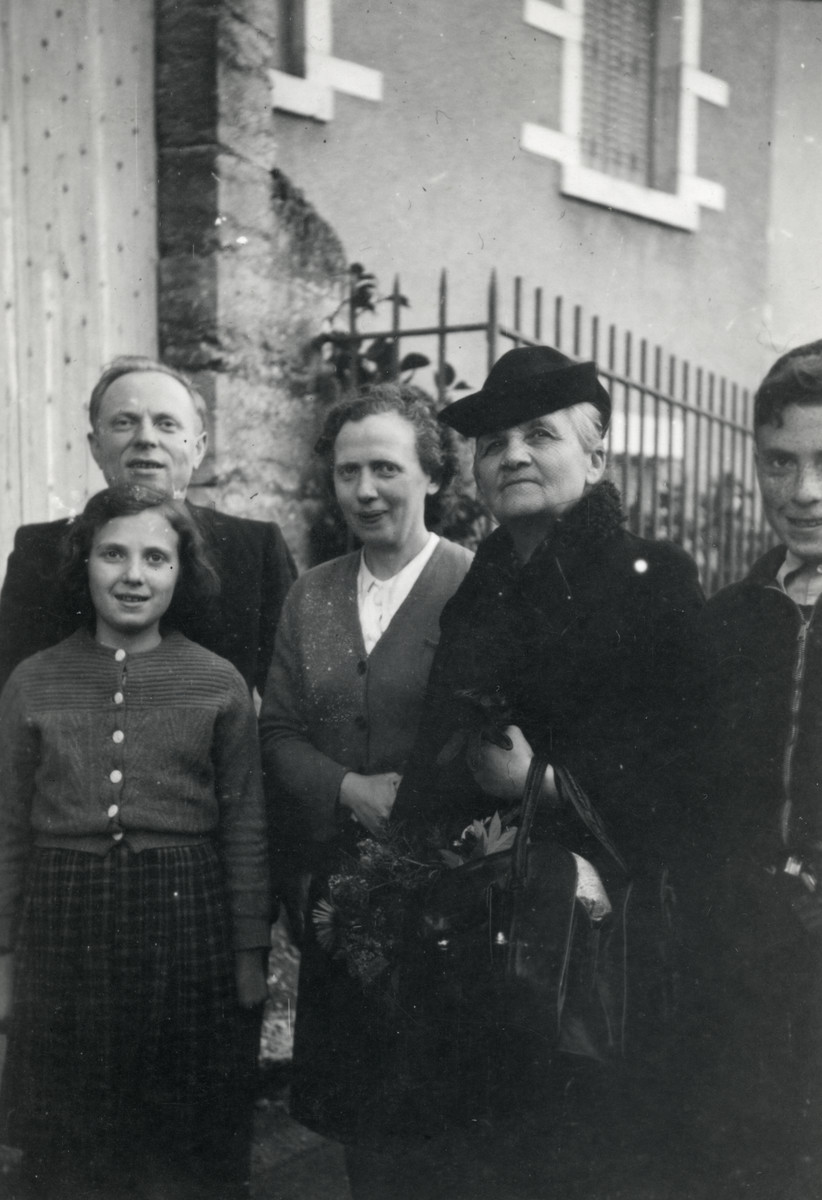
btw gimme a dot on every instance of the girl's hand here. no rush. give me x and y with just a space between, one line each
370 797
249 971
502 773
6 985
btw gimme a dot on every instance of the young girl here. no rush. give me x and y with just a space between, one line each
133 875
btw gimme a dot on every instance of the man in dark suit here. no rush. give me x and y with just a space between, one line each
147 427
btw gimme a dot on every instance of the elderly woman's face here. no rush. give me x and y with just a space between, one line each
379 481
538 468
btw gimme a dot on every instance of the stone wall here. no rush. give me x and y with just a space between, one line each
248 270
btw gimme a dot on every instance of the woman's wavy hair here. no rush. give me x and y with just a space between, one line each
436 450
198 583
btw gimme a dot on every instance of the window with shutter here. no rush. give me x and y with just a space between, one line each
618 87
630 93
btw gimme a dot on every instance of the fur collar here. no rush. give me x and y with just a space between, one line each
596 517
593 520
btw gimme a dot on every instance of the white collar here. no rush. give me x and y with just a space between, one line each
409 573
378 600
806 585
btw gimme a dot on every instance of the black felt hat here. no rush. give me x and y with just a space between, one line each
527 382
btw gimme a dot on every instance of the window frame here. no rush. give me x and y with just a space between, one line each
679 192
307 88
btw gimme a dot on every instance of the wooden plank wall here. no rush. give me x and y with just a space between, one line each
78 241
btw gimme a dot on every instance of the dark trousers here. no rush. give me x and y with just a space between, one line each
759 1100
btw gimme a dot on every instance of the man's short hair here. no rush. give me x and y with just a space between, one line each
129 364
795 378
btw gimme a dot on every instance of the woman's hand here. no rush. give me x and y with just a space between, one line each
370 797
6 985
249 973
502 773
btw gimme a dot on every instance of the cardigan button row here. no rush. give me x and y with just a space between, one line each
116 776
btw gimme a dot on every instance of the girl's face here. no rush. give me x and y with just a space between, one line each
133 566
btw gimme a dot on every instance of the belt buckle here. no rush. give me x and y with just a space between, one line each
799 870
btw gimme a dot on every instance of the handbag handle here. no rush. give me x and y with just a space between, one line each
530 800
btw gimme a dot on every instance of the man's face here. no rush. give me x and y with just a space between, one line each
148 431
789 467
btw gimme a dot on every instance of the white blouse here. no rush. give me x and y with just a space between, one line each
379 599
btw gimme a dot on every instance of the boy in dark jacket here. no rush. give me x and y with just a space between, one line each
765 789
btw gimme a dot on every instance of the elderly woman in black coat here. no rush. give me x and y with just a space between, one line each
572 639
577 629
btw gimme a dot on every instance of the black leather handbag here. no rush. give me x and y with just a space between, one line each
504 968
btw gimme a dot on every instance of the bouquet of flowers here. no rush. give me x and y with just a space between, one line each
362 920
373 895
365 918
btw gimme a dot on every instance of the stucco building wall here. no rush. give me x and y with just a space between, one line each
433 175
796 229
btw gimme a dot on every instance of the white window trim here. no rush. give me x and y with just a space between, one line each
680 208
312 95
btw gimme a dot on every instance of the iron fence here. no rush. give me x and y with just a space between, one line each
680 447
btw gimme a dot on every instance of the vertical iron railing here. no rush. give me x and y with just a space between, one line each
680 444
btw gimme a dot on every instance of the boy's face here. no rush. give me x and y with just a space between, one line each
789 468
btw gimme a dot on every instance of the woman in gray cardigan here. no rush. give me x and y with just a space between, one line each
343 698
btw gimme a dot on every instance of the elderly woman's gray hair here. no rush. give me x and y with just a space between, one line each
586 421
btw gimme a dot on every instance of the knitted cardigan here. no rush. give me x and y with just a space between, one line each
154 749
330 708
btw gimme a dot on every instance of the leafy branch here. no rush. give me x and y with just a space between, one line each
354 360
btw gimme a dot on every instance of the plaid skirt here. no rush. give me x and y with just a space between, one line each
124 1024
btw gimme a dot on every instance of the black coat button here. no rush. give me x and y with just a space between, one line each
361 722
362 667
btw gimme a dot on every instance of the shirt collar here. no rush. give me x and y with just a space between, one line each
412 569
799 579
